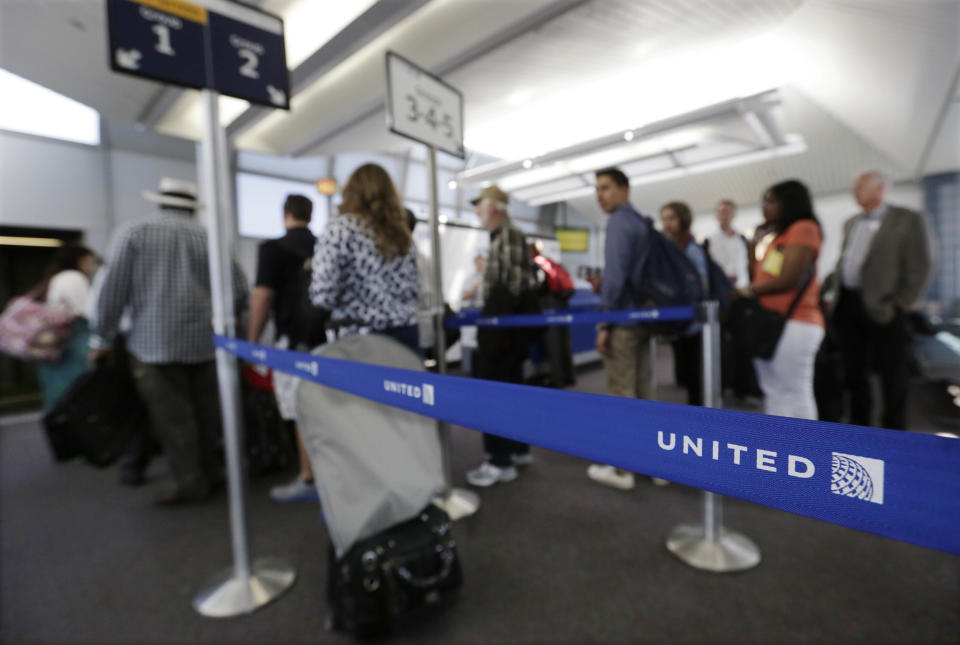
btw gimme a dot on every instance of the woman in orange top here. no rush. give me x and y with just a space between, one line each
789 260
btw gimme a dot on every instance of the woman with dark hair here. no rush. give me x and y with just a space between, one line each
787 271
365 262
676 220
66 286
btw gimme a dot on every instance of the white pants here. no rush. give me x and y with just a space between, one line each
787 378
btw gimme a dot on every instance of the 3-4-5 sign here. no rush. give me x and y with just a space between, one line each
423 107
232 48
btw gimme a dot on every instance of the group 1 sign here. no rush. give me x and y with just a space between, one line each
224 46
422 107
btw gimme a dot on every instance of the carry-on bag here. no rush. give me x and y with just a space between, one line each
395 576
377 469
95 418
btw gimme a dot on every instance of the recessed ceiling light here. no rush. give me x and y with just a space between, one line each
628 135
452 185
527 163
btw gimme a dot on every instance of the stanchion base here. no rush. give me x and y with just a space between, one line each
227 595
459 503
731 552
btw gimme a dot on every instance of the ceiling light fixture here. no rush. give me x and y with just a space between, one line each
10 240
796 146
528 164
452 184
628 135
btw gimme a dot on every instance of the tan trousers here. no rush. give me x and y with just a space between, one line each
628 366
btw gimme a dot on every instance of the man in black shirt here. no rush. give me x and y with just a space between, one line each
279 266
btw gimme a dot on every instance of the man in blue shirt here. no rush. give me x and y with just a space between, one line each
626 348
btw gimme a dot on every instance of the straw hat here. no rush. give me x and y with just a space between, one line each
176 193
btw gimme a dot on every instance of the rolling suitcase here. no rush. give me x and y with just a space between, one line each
377 470
269 440
96 417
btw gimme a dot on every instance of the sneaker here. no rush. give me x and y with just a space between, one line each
523 459
609 476
488 474
659 482
299 490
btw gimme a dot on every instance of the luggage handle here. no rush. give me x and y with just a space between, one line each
431 581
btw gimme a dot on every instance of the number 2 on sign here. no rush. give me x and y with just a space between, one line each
249 69
163 40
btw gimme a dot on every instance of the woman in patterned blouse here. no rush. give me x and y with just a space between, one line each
365 262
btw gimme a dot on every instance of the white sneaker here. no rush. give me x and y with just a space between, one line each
296 491
609 476
524 459
488 474
659 482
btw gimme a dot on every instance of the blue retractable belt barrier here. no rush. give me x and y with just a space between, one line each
569 317
895 484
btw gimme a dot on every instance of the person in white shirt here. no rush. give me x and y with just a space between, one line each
66 286
727 247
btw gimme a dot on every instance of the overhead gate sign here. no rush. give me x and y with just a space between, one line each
422 107
234 49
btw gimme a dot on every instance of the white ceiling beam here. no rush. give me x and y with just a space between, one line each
162 100
951 97
364 29
732 107
530 22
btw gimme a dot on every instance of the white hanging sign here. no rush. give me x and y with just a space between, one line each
422 107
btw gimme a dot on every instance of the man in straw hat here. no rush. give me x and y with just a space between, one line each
157 271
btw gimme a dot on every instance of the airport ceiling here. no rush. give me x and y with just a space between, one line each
864 83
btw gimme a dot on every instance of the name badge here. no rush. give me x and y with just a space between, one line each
773 263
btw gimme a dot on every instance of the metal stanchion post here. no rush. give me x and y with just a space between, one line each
653 366
710 546
457 502
240 589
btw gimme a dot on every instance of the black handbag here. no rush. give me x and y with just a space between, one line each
394 576
756 329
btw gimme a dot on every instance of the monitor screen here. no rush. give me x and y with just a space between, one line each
574 240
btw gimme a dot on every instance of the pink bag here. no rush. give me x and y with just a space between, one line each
32 331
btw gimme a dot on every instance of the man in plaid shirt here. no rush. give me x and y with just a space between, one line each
158 272
509 281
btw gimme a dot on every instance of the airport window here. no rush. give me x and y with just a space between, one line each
42 112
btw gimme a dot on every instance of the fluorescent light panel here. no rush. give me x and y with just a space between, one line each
11 240
797 146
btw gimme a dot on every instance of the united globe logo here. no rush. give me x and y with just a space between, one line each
857 477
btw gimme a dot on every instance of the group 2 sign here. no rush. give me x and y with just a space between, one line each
234 49
422 107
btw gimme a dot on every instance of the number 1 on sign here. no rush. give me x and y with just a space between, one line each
163 40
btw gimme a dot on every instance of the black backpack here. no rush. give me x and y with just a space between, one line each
664 276
719 284
309 322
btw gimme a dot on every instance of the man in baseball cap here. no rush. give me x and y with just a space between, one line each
501 352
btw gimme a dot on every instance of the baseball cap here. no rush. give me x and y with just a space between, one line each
492 192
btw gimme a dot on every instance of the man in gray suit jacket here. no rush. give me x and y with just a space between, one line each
882 270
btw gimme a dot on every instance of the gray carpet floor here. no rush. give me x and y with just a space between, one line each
549 558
